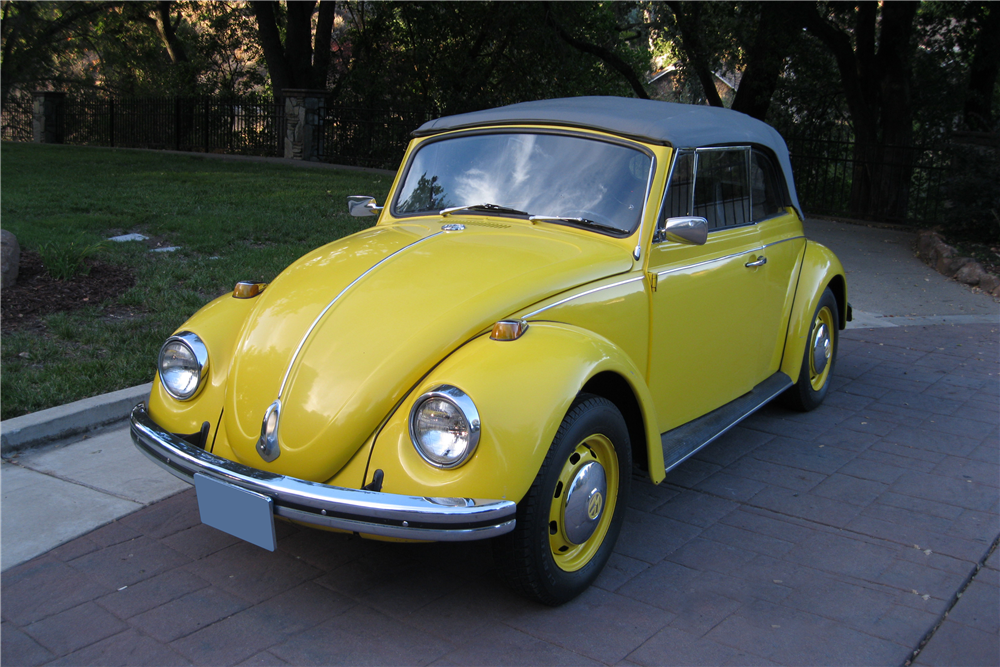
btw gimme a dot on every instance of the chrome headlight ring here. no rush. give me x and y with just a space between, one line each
183 365
444 426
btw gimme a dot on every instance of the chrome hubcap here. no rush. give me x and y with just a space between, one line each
821 348
585 502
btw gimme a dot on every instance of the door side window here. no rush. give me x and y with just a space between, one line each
721 192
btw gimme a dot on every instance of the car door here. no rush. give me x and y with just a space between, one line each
783 244
704 299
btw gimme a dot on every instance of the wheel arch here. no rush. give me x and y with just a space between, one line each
820 270
615 388
838 286
523 390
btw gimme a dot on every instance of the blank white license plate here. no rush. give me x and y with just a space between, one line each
241 513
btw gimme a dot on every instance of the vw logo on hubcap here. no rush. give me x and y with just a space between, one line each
821 348
585 502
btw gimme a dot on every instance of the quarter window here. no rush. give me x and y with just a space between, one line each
766 196
679 195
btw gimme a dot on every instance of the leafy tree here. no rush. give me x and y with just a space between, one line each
751 38
34 35
452 57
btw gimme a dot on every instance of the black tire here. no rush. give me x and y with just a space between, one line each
538 559
813 384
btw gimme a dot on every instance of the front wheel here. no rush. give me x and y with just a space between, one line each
819 357
568 522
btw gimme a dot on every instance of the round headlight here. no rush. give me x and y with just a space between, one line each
183 365
444 426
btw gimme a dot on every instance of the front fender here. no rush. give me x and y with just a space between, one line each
218 325
522 390
820 269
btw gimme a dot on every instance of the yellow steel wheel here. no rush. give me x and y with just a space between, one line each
821 348
569 520
818 358
583 503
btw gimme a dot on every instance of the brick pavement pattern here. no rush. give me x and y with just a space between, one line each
836 537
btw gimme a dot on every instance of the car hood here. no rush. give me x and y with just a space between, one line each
342 334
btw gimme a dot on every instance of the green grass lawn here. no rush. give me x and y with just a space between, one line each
233 221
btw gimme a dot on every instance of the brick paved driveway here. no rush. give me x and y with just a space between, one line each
836 537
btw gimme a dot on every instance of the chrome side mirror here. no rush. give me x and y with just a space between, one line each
691 230
361 206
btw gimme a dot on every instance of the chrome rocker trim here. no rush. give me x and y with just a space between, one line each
322 505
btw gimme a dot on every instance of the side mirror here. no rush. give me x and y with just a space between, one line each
691 230
361 206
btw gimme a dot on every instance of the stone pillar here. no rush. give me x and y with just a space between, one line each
48 125
305 112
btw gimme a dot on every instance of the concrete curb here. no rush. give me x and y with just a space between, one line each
44 426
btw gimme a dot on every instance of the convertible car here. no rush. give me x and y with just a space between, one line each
555 293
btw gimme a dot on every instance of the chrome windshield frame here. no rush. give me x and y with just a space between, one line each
520 129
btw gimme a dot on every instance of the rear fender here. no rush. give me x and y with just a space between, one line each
820 269
522 390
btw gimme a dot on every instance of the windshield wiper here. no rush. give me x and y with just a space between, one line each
586 222
488 208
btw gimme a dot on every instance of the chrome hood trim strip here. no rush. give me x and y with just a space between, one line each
581 294
319 318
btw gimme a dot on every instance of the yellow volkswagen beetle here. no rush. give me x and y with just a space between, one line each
555 293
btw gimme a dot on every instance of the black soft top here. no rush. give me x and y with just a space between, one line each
667 123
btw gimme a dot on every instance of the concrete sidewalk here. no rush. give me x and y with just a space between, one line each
907 458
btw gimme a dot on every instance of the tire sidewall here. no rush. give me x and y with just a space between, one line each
588 417
811 398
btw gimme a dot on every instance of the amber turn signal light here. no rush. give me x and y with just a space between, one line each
248 290
508 330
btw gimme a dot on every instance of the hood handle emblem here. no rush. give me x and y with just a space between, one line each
267 444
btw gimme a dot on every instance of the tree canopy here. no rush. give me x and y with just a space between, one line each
889 73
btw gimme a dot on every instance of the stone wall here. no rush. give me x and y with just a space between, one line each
305 113
49 122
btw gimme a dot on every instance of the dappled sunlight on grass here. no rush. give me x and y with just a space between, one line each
232 221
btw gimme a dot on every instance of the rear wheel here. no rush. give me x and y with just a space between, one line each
819 357
569 521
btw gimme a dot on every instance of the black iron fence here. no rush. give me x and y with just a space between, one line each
17 115
243 126
367 137
825 166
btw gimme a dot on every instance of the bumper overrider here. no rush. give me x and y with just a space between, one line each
322 505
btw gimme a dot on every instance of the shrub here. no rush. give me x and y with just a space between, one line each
64 260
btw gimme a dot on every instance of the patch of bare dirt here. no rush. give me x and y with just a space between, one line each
36 294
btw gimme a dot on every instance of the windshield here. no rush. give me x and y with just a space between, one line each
557 177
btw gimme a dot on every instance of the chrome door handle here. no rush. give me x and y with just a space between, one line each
760 262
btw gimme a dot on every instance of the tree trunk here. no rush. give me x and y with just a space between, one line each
876 79
688 17
322 47
775 32
296 63
983 71
895 50
298 42
270 43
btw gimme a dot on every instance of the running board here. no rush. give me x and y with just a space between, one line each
684 441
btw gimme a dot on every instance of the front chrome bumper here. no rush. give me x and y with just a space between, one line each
322 505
